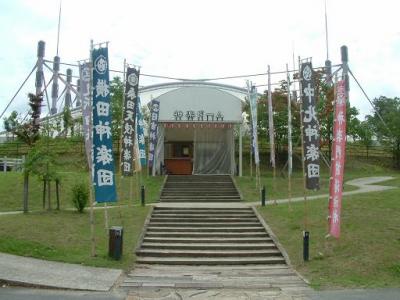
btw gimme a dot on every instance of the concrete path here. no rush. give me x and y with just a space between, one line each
36 272
364 184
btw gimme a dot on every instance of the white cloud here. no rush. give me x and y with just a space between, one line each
197 39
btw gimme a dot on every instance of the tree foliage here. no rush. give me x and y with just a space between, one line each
117 104
388 131
27 132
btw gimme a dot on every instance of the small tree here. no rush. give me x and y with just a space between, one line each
28 133
365 134
80 196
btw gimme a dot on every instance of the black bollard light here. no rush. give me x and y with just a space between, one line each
263 196
142 195
306 244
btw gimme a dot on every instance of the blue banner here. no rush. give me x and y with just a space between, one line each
103 159
155 109
128 134
140 134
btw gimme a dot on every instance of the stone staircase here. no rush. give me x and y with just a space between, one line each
206 236
199 188
201 237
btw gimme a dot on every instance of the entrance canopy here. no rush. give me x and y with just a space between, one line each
195 133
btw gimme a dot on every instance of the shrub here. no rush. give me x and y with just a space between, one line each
80 196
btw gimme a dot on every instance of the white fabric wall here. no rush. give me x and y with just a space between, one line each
214 151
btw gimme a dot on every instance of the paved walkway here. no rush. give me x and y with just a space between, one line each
365 185
36 272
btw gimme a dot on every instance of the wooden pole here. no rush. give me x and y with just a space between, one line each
106 216
271 133
92 229
290 160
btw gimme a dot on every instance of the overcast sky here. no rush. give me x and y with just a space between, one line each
203 39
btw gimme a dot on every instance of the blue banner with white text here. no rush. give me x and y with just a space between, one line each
140 135
103 159
154 113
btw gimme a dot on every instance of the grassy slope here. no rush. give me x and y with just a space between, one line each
366 255
65 235
11 190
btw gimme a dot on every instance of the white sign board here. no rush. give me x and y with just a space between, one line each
199 104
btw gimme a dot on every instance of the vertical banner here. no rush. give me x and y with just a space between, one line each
103 160
338 157
310 127
253 109
140 135
271 129
128 129
84 75
154 112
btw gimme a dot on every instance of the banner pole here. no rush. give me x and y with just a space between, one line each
290 161
271 133
251 135
92 229
302 153
106 216
122 127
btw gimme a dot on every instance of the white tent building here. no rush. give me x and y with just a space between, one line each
196 127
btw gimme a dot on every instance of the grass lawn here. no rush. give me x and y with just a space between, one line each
279 188
128 190
368 251
65 235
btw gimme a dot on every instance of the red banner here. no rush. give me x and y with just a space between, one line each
338 156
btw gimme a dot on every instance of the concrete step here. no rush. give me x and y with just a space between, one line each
196 234
202 193
204 209
208 246
168 214
201 216
198 200
214 225
221 230
158 219
207 253
210 261
200 197
200 240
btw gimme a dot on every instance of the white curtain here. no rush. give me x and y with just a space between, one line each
214 151
159 151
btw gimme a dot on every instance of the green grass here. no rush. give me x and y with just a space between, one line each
367 253
128 190
278 189
65 235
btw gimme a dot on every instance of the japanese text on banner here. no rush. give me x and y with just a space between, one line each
154 113
338 158
103 159
310 128
129 120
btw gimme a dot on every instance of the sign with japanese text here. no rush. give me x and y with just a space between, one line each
199 104
128 129
140 135
199 116
253 109
310 127
84 75
154 113
103 160
338 157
